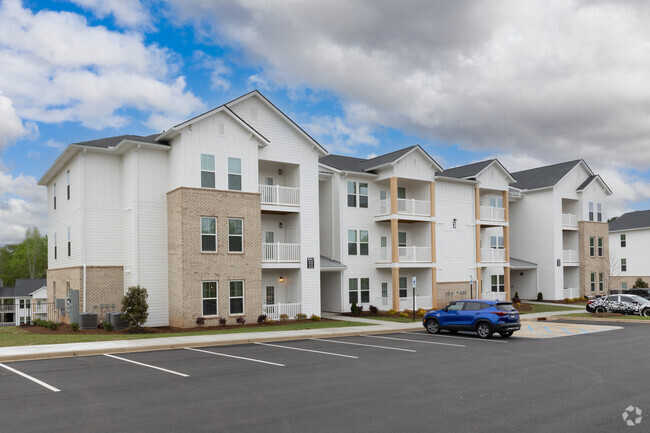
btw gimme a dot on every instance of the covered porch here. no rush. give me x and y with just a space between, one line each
281 293
523 277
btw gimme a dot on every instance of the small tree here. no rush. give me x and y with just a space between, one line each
135 307
640 284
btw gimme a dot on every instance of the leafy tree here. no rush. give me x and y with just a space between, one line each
640 284
27 259
135 307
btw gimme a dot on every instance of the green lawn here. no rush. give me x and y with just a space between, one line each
395 319
591 315
546 308
14 336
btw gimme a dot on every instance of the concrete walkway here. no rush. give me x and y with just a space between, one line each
579 307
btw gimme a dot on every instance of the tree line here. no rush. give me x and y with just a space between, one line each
27 259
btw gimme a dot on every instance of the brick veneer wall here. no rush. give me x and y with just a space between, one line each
453 291
188 266
588 264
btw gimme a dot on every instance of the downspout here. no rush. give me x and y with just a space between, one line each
136 219
83 224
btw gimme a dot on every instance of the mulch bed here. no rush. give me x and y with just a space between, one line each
381 313
66 329
523 307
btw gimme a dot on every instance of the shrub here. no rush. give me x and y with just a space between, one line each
408 312
74 327
46 324
392 312
359 309
567 300
575 300
354 309
261 318
404 314
200 321
222 322
301 316
269 321
108 327
516 299
314 317
135 307
421 312
640 284
284 317
540 297
241 320
374 310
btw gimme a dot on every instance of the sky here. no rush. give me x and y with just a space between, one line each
530 83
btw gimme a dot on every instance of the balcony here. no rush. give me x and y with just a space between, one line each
490 213
278 198
405 207
570 257
493 255
410 254
404 303
569 220
279 255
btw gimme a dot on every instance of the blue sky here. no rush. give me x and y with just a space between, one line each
466 80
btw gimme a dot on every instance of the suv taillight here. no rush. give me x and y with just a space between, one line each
499 313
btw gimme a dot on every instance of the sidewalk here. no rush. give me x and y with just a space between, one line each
579 307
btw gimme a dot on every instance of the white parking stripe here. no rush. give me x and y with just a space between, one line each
366 345
147 365
33 379
308 350
414 341
468 338
236 357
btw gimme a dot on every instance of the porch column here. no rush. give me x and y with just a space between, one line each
394 242
395 282
506 206
434 288
506 281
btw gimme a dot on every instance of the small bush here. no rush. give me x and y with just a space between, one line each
640 284
74 327
200 321
354 309
392 312
222 322
404 314
421 312
359 309
54 326
135 307
301 316
374 310
576 300
515 299
540 297
567 300
408 312
284 317
584 298
241 321
314 317
269 321
46 324
261 318
108 327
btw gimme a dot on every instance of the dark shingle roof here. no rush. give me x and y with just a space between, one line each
386 158
345 163
468 170
330 264
24 287
114 141
586 182
517 263
542 177
360 165
631 220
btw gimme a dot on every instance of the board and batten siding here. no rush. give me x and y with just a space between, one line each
493 178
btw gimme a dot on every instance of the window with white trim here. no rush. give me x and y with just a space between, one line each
623 265
591 211
623 241
496 242
67 175
363 242
401 192
601 286
623 286
54 195
363 194
209 298
496 201
384 290
600 246
207 171
352 194
237 297
69 242
593 282
599 213
234 174
235 235
497 283
365 289
403 289
208 234
353 290
352 242
401 239
54 245
592 246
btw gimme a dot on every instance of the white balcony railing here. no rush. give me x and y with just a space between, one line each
278 252
570 256
571 292
493 255
274 311
494 296
409 254
569 220
404 303
280 195
490 213
405 206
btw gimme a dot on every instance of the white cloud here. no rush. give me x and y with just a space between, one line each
54 144
217 67
337 135
22 204
33 154
127 13
11 127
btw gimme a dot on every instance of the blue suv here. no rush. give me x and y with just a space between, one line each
480 316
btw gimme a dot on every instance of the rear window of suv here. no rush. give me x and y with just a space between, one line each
505 307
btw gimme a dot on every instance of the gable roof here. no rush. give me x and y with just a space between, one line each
521 264
631 220
360 165
344 163
23 288
592 178
107 142
327 264
473 170
542 177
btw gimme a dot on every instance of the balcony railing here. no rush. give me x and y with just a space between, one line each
493 255
409 254
405 206
280 253
275 311
489 213
494 296
280 195
570 256
569 220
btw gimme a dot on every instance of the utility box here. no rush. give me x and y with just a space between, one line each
117 321
88 321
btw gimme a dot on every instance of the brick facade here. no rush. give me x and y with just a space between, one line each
189 267
453 291
588 264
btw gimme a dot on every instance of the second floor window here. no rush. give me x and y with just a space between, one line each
496 202
496 242
358 242
599 215
623 241
234 174
363 194
208 234
352 194
623 265
54 195
592 246
207 171
600 247
591 211
235 235
68 185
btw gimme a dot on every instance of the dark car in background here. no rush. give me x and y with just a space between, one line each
644 293
481 316
623 304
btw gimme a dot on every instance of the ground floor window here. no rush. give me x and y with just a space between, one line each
600 282
353 290
623 286
209 297
236 297
403 291
498 283
365 290
593 282
270 295
384 290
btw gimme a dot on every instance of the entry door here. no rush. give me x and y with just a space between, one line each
269 295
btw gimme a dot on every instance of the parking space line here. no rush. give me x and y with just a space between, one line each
33 379
414 341
308 350
366 345
468 338
236 357
147 365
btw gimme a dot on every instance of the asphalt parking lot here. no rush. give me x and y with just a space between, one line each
387 383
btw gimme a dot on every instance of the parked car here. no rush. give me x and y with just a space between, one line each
639 291
624 304
481 316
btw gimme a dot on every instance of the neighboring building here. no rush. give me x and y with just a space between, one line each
216 217
629 249
558 221
24 302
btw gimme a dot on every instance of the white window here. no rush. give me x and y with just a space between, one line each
208 234
54 194
363 242
401 192
600 282
352 242
207 171
363 194
623 265
68 185
55 246
599 207
234 174
600 246
235 235
352 194
496 242
593 282
591 211
209 296
496 202
498 283
237 297
365 290
623 286
353 290
403 290
592 246
69 242
623 241
384 290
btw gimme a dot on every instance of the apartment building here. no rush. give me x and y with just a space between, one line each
558 222
629 237
217 217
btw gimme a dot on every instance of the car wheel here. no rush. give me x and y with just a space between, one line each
645 312
484 330
506 334
433 327
600 310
